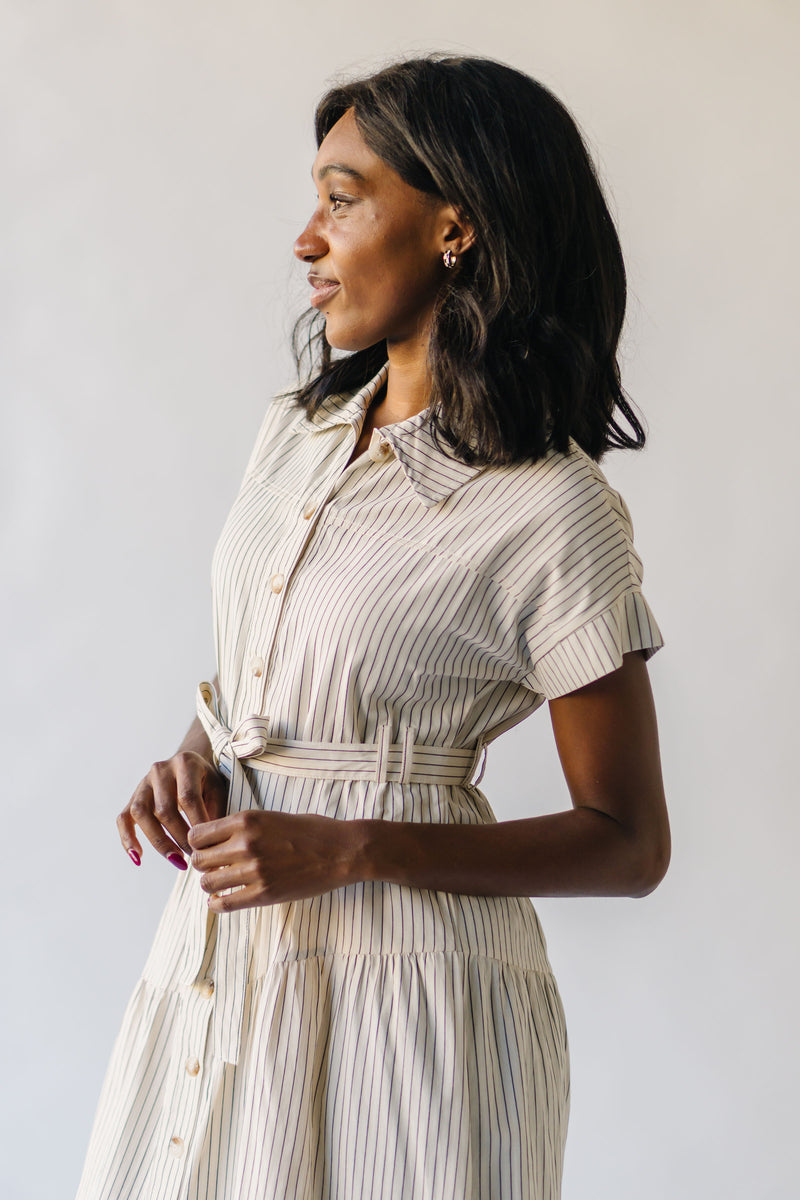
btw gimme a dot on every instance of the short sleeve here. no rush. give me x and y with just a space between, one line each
584 608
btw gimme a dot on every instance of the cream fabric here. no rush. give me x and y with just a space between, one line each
377 1041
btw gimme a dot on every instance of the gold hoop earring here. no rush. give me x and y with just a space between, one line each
449 259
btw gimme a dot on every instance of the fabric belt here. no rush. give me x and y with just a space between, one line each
377 762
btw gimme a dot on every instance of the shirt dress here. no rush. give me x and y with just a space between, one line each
377 625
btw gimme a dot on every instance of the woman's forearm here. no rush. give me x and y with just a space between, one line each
614 841
196 740
581 852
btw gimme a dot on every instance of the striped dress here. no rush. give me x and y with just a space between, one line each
377 625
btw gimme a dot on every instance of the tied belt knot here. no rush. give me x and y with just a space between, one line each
249 743
249 739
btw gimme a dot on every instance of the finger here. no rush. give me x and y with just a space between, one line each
229 876
224 854
190 780
211 833
244 897
141 811
215 792
127 835
165 803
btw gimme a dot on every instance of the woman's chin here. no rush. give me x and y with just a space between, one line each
349 343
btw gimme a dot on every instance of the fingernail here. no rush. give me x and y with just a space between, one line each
134 857
177 861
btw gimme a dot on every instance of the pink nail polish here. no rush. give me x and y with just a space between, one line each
177 861
134 857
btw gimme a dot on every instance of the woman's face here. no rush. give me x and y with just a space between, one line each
374 245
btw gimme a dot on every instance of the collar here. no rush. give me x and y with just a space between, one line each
431 472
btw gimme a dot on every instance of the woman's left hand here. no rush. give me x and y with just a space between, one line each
272 857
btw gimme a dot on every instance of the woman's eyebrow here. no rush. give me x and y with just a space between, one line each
339 169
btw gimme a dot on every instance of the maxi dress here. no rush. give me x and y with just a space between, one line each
377 625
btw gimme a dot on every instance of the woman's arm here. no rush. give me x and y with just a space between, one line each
196 740
614 841
175 794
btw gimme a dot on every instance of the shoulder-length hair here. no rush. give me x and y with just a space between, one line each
523 342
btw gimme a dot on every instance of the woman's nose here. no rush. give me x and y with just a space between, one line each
310 245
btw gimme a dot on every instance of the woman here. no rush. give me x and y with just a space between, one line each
349 993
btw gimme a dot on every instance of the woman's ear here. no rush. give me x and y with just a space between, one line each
458 233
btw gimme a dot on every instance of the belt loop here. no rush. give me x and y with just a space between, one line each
481 755
407 760
382 764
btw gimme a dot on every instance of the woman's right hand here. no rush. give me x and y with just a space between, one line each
174 795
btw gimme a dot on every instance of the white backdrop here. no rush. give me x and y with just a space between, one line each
156 171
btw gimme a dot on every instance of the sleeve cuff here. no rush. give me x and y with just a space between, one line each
596 648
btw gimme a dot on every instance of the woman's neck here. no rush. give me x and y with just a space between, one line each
408 387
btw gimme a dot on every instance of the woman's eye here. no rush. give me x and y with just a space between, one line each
336 202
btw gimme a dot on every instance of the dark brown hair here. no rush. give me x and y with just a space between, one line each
523 345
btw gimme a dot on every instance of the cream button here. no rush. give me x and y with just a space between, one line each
257 666
379 450
176 1147
206 988
192 1066
276 583
309 511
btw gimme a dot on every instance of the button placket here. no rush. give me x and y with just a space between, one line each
291 554
288 553
186 1094
185 1100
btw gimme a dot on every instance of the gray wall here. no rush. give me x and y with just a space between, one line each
159 159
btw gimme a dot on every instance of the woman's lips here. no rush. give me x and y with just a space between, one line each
321 289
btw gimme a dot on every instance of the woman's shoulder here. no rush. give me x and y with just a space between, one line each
556 487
